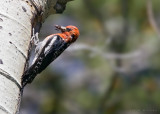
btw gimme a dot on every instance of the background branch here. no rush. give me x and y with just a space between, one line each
151 17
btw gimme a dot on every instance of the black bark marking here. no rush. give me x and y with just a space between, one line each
9 77
5 110
24 9
1 20
1 62
10 34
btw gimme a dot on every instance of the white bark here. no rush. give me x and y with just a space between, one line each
17 18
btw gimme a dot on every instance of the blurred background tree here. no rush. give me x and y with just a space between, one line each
114 66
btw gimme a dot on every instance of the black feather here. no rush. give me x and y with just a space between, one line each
44 59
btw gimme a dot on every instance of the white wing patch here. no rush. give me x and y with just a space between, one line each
50 44
42 45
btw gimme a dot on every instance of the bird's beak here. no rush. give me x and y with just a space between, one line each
62 28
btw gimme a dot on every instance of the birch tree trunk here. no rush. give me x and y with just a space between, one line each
17 19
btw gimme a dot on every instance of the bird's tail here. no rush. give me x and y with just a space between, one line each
28 76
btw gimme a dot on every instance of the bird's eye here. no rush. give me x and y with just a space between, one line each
73 36
68 29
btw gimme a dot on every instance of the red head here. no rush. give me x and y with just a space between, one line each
69 33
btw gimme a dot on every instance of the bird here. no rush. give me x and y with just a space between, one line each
48 50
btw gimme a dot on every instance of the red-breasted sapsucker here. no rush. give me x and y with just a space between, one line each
48 50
